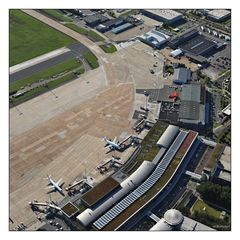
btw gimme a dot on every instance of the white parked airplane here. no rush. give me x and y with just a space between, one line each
53 184
111 144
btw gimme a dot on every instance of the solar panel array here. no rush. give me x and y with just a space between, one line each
144 187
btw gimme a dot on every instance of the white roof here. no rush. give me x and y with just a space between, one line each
127 185
139 175
161 225
156 37
225 159
168 136
219 13
173 217
176 52
227 110
165 13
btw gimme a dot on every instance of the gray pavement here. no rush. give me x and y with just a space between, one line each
76 50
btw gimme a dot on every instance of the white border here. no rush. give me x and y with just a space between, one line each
120 4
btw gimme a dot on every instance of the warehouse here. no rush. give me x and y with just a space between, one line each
181 75
108 25
195 45
95 19
163 15
154 38
122 28
218 15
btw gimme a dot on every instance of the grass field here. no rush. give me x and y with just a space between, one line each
89 33
76 28
200 205
96 37
91 59
30 38
108 48
57 69
58 15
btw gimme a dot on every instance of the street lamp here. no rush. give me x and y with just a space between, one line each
146 94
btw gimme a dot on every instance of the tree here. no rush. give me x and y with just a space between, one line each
216 194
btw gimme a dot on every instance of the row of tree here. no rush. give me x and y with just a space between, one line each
215 194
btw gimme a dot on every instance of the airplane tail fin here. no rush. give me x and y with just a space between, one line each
104 138
47 178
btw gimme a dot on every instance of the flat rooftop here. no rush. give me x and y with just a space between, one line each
197 45
225 176
69 209
219 13
217 151
99 191
225 159
165 13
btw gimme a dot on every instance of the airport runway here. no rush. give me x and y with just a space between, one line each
76 50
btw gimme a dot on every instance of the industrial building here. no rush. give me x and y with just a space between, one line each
218 15
122 28
173 220
163 15
195 45
108 25
182 76
107 213
185 105
94 19
154 38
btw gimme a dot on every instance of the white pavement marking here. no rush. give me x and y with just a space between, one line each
38 59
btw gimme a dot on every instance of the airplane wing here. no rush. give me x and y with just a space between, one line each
58 182
107 146
115 140
50 187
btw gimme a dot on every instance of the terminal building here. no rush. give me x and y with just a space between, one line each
173 220
106 203
163 15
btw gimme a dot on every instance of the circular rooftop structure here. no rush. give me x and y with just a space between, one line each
173 217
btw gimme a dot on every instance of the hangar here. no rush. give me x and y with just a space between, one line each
195 45
154 38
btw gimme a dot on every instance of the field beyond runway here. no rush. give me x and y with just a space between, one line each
30 38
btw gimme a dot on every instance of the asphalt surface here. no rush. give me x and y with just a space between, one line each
77 50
